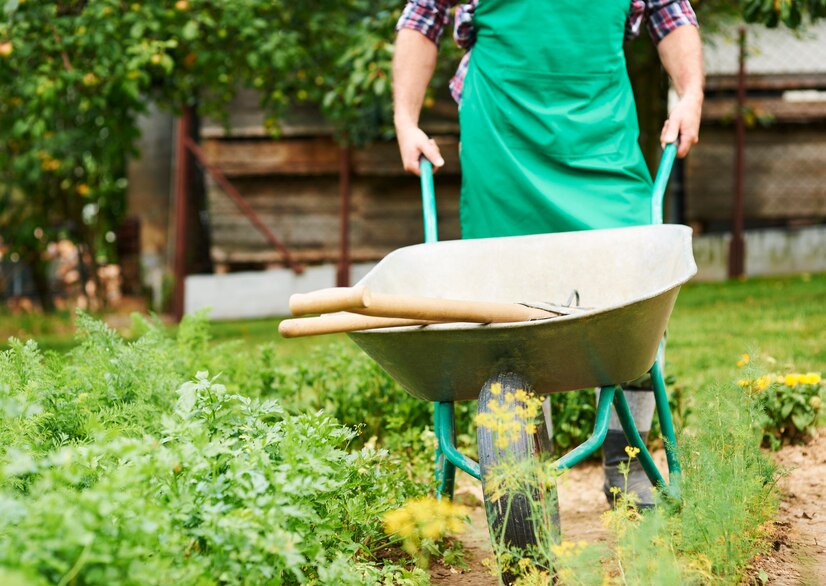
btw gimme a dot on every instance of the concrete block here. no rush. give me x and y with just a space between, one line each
769 252
248 295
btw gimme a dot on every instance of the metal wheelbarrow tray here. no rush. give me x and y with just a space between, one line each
627 280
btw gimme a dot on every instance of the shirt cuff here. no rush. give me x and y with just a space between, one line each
669 17
428 18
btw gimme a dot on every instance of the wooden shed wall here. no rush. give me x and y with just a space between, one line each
293 185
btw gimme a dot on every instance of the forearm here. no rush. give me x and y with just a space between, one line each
681 53
414 62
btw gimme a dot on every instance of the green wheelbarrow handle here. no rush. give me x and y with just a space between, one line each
431 233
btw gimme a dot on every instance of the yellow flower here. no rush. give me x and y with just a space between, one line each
791 380
744 360
496 389
510 418
632 452
424 518
762 382
810 378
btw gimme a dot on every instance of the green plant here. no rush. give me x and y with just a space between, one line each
791 404
117 469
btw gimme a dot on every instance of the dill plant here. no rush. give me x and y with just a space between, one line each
727 496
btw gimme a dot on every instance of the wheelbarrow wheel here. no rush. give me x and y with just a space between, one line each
520 496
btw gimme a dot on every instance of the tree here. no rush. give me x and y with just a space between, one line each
76 74
770 13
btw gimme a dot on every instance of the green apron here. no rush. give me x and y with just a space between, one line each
548 122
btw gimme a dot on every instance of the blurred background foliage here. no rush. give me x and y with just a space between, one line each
75 75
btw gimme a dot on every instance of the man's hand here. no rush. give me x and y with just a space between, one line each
684 121
681 53
413 143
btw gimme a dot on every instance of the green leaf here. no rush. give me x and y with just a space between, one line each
11 6
190 31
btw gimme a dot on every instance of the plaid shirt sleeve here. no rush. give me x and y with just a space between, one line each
429 17
664 16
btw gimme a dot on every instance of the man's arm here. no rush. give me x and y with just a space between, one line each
681 53
414 61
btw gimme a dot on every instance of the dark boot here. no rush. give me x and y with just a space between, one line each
613 453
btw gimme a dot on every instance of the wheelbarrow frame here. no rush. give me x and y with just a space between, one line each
448 458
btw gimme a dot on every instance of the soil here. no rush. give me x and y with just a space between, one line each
797 556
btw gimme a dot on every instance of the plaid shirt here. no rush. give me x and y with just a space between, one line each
430 17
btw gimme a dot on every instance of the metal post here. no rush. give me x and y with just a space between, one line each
736 265
343 270
182 174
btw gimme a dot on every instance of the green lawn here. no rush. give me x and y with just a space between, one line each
782 320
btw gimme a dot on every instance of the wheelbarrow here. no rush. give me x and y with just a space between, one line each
619 287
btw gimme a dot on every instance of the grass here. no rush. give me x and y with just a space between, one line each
711 326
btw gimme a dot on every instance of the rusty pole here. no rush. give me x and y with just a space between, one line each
345 170
736 264
182 175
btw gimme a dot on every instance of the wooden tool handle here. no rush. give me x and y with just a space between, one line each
361 300
449 310
334 324
329 300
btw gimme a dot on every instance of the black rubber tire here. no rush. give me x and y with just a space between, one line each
514 527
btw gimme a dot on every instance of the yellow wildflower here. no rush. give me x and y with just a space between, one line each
496 389
791 380
810 378
744 360
424 518
508 419
632 452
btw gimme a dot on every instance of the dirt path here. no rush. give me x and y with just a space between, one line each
581 504
797 559
799 554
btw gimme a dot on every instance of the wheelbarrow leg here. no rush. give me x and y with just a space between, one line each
594 441
634 439
443 414
448 458
666 423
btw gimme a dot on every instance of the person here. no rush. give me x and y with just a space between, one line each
548 126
